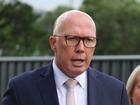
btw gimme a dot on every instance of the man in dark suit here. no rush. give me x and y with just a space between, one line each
73 42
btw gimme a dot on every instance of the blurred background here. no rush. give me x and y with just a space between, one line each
25 27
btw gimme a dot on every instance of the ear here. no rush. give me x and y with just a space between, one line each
52 41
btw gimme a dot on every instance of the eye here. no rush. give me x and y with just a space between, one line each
89 39
72 38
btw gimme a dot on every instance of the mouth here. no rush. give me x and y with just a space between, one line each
78 62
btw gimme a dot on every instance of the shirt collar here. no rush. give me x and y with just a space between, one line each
82 79
61 78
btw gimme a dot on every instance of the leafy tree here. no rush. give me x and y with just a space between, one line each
24 32
17 35
117 25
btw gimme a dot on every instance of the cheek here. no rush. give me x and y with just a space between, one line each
64 53
136 95
90 53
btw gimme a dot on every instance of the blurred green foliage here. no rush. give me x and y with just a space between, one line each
18 36
118 25
24 32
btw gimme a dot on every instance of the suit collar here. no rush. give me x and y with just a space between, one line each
47 86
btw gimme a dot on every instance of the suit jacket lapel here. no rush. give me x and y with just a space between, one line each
47 87
94 88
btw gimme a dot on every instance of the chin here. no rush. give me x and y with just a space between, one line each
79 71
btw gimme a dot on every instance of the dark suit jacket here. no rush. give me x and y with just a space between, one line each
38 88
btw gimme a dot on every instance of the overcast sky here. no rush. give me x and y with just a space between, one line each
51 4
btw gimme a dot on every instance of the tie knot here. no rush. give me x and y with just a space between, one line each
70 83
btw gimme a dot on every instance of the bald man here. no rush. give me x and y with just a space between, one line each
73 42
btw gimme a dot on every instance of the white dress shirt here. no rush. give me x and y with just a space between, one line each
80 89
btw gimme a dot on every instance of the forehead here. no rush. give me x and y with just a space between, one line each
76 23
137 78
78 29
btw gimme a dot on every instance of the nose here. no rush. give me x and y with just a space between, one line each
80 47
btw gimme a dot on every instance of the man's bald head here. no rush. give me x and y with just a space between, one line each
71 16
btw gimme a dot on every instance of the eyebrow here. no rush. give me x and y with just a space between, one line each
80 36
